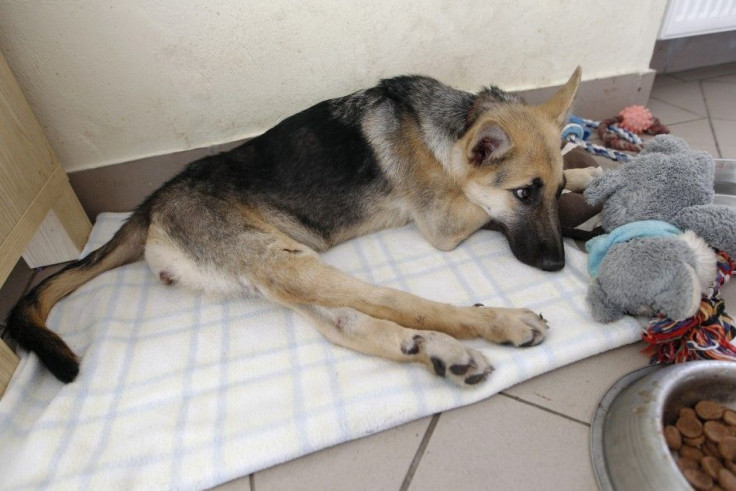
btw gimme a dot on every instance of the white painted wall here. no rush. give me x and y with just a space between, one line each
116 80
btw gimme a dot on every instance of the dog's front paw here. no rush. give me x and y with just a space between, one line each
577 180
447 357
520 327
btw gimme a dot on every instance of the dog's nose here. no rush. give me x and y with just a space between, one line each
552 263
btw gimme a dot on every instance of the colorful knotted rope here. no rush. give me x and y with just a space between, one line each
705 336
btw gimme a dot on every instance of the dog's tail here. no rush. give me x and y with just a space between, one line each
26 323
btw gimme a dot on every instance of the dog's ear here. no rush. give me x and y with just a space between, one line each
489 144
559 104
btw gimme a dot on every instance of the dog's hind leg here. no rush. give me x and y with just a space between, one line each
440 353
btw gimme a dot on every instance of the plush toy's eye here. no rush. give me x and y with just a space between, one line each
523 193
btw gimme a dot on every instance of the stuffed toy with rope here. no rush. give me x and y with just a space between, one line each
667 252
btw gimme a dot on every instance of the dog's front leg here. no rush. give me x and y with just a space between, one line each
291 274
577 180
441 354
445 224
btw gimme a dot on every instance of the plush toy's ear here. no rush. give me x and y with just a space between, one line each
559 104
489 144
604 186
714 223
680 299
602 308
706 167
666 144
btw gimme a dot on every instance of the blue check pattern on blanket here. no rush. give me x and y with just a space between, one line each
183 391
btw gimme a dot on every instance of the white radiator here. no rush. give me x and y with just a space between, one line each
693 17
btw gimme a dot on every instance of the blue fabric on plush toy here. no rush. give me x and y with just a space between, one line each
598 247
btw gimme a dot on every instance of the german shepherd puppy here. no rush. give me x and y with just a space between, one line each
252 220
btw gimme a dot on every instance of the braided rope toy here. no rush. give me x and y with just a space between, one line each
576 131
617 133
705 336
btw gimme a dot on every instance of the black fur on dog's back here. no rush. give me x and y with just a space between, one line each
310 157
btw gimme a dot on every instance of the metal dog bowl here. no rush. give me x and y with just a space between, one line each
725 182
627 443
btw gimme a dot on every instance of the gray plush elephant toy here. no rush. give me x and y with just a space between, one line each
657 256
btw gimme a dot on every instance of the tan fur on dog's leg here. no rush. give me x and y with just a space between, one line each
290 273
577 180
440 353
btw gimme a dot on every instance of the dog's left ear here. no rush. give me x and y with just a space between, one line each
559 104
489 144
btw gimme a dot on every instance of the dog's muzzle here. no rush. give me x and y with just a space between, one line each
536 244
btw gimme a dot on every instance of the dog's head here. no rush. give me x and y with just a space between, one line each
508 162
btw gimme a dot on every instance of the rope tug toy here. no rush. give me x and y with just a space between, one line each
705 336
618 134
576 131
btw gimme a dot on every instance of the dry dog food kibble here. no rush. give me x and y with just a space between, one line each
715 431
726 479
673 437
691 453
708 409
689 425
698 478
730 417
703 440
694 442
711 466
727 447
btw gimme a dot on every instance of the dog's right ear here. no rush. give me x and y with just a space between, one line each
559 104
489 144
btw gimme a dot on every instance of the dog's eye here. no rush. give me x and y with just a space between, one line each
523 193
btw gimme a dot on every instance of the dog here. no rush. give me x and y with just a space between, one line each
410 149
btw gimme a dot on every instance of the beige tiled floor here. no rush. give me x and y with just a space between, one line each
531 436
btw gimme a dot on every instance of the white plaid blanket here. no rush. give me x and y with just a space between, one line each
177 390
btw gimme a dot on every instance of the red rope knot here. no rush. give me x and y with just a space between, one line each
705 336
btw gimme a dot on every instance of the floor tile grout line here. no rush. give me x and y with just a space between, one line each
728 73
420 452
252 481
686 122
676 77
546 409
713 81
710 123
712 78
654 97
671 75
